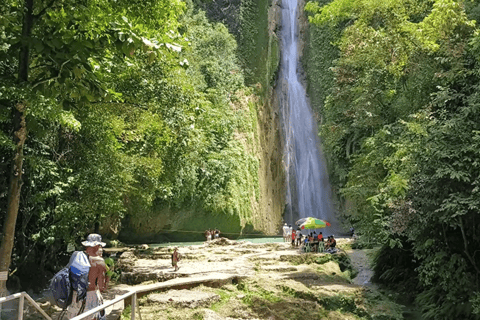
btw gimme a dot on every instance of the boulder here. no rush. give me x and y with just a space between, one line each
184 298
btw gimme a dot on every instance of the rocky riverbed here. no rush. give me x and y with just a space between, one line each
264 281
224 279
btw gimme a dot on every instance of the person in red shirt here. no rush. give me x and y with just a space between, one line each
294 235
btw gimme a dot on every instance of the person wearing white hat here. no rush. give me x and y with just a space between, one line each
97 278
286 233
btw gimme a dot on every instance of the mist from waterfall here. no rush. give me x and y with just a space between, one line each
308 189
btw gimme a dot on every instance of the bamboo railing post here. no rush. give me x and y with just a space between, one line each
21 303
134 304
36 306
138 309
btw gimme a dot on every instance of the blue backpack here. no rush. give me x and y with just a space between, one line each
61 289
74 277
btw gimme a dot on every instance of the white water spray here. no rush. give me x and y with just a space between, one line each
308 189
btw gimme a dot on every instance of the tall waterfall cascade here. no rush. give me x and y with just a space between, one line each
308 189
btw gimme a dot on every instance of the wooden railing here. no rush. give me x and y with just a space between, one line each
131 295
21 303
23 295
134 305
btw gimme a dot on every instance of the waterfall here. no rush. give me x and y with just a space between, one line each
308 189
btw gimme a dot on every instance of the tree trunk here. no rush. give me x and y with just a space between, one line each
20 135
6 246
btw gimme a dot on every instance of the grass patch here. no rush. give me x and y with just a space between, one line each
126 314
224 299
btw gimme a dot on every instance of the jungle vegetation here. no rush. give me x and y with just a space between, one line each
110 108
396 85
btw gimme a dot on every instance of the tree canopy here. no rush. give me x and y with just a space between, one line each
401 132
127 107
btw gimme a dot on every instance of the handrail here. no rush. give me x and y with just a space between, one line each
133 293
22 296
108 304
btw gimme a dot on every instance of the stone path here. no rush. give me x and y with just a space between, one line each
361 262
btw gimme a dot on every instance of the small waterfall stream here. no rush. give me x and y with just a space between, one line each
308 189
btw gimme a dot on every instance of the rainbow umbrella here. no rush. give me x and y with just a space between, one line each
313 223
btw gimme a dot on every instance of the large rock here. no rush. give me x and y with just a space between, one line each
220 242
184 298
138 276
212 315
126 261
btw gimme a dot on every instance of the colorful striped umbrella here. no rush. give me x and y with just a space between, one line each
313 223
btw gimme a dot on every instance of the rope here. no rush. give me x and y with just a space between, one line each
226 233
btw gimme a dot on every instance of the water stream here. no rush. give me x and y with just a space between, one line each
308 189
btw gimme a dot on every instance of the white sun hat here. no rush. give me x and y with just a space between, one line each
93 240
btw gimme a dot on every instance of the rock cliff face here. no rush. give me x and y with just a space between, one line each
254 24
272 177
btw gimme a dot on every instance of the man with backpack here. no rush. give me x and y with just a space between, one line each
97 280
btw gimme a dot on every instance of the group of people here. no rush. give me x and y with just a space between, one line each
317 243
211 234
311 241
287 231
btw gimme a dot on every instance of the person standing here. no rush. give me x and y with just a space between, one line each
299 237
294 236
175 258
285 233
97 278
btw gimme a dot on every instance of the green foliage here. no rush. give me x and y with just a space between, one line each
136 112
345 303
475 300
126 313
400 127
395 268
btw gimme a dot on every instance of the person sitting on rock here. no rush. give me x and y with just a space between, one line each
328 242
333 242
320 237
